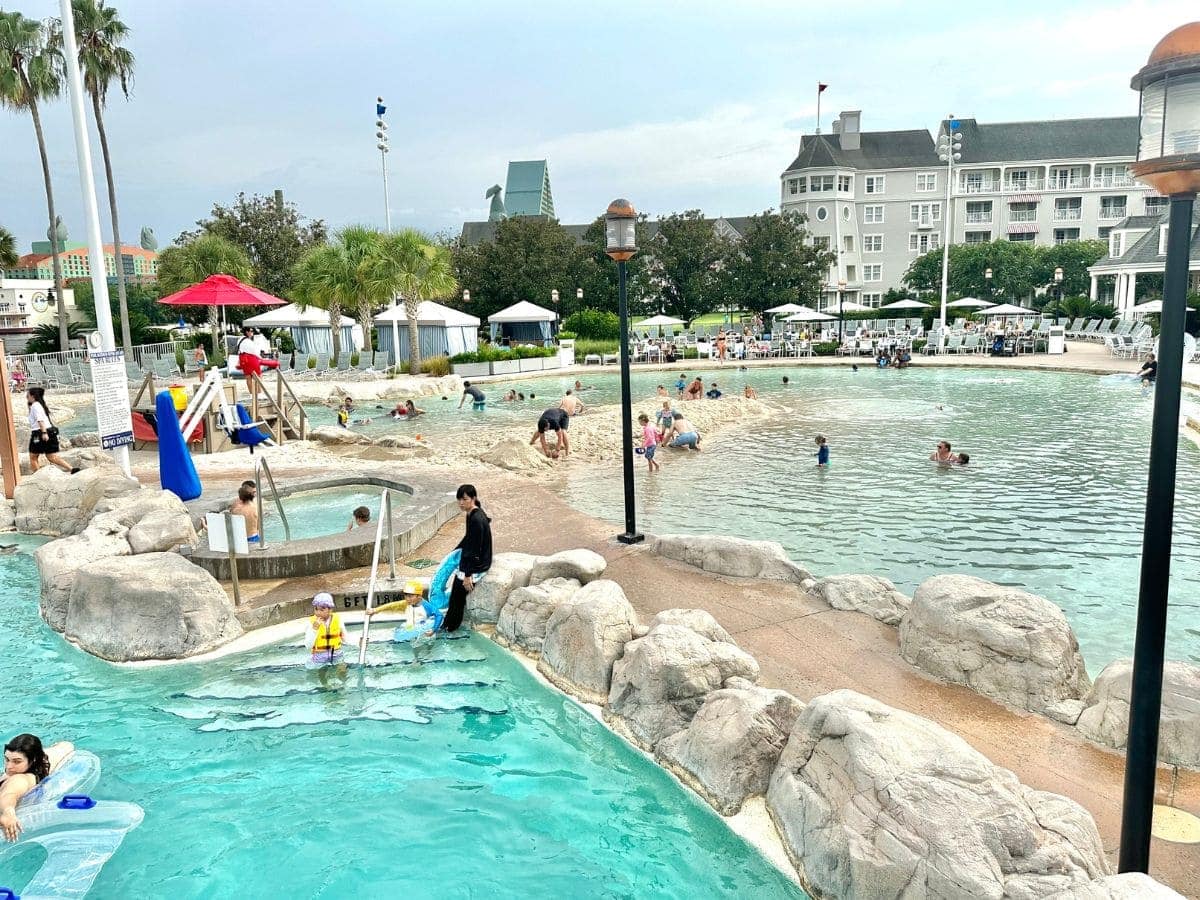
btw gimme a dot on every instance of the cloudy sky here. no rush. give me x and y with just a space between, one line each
672 103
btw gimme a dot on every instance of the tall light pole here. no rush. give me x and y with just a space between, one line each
1058 279
83 150
381 136
841 287
948 146
987 280
1169 161
620 221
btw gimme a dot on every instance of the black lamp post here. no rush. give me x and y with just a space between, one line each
987 280
841 286
1169 161
621 245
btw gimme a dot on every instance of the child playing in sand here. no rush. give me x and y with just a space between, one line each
649 442
822 451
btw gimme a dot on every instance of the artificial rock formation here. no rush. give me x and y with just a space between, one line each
699 620
522 621
876 597
1105 718
508 571
723 555
161 530
582 565
730 748
59 561
153 606
336 435
1130 886
875 802
8 515
662 679
584 636
54 503
1003 643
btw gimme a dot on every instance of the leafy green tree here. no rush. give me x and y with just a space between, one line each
273 236
144 310
685 259
31 71
1014 265
46 338
193 261
103 60
8 249
418 269
1074 257
774 263
348 269
596 273
527 259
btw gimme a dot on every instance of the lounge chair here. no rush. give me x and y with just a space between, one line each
954 343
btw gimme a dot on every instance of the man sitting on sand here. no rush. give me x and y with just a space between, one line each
558 421
570 404
684 433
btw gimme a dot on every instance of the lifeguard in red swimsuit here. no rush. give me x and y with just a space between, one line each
249 359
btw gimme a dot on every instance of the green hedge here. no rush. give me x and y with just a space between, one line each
492 353
592 324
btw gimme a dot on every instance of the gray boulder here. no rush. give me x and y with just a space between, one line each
52 502
508 571
162 530
85 439
127 510
153 606
584 636
582 565
337 436
662 679
1130 886
730 748
1001 642
874 802
699 620
522 622
59 560
729 556
877 597
8 515
1105 718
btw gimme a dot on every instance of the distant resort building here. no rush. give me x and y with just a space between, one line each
877 198
140 263
1137 245
26 303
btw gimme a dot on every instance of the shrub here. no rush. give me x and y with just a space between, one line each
825 348
492 353
437 366
566 335
584 346
593 324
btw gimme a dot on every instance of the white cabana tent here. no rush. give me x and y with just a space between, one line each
804 314
968 303
658 322
309 327
786 309
906 303
524 321
442 331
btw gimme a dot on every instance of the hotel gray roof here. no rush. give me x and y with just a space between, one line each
1049 140
879 150
1144 251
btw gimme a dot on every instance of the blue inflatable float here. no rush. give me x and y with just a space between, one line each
439 600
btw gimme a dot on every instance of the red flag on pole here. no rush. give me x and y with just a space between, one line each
821 87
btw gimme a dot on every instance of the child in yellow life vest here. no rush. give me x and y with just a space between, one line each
326 634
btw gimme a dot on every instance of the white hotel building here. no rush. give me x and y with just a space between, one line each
878 198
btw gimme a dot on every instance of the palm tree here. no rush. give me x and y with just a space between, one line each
8 249
409 264
103 60
31 70
191 263
342 275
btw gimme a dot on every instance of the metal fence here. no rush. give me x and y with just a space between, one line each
142 354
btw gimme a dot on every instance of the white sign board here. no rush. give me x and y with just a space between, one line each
114 421
218 538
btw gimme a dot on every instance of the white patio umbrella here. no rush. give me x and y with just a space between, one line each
969 303
850 306
657 322
786 309
804 314
1008 309
906 303
1150 306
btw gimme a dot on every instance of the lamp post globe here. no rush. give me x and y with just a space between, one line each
554 296
1058 279
987 280
620 239
1168 160
466 296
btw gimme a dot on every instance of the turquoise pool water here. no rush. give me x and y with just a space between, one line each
451 775
322 512
1052 500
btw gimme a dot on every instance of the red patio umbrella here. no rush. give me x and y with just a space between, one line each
221 291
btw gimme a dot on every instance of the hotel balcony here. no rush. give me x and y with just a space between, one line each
1053 183
1113 212
979 218
1068 215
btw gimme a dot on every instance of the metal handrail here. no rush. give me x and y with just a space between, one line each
262 466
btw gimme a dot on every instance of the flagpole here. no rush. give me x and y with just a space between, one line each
820 90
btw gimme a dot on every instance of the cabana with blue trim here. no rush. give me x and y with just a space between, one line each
309 327
524 322
442 331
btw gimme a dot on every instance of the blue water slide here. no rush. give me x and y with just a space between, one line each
79 834
439 599
176 471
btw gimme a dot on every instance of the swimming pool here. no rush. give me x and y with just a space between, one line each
457 777
1052 501
324 511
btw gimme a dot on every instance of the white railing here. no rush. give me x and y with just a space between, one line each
1022 215
1068 215
63 357
1114 181
974 218
1112 212
1053 183
1023 186
1057 183
986 186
